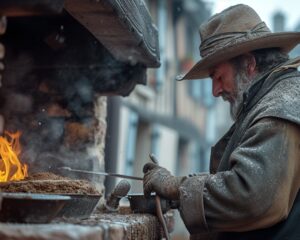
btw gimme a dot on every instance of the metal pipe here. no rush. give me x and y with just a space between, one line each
102 173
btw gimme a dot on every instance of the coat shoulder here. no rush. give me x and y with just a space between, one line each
282 101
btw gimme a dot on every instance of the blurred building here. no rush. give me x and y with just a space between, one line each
279 20
296 50
177 121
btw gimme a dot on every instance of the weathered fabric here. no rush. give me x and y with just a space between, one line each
255 167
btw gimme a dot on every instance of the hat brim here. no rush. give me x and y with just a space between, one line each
285 41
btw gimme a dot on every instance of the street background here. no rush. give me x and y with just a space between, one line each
178 121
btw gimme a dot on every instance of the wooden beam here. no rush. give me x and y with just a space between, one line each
125 28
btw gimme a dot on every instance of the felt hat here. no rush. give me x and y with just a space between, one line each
235 31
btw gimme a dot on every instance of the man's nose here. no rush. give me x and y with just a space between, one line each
216 88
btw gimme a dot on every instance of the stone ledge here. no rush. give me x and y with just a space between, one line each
100 226
49 232
123 226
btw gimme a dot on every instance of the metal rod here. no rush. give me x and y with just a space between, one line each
161 217
158 206
102 173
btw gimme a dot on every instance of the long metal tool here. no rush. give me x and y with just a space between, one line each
158 206
102 173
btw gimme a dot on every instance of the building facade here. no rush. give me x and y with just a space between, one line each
176 121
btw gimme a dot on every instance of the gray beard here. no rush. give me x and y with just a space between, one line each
242 83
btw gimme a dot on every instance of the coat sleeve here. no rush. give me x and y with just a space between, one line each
256 192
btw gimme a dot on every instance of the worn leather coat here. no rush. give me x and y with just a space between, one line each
251 191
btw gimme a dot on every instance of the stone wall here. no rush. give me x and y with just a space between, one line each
62 119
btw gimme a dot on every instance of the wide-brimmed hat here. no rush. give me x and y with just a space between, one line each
234 31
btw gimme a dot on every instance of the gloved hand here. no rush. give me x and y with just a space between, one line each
160 180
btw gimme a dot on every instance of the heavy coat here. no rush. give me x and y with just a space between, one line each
254 178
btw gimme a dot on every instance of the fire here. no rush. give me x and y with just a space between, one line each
10 166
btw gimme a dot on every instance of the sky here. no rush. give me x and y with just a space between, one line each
266 9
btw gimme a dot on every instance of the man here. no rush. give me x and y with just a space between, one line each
252 189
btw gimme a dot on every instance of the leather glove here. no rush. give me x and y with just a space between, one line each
160 180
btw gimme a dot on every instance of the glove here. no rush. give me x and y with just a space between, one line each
160 180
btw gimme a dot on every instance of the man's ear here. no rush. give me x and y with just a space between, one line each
251 65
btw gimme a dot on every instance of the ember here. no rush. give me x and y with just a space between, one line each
10 166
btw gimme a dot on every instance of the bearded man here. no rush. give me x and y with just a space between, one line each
252 190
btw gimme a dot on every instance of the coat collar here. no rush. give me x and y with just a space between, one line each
262 84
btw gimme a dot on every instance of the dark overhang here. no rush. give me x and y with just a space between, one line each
111 42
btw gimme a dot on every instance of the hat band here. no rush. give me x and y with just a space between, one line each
218 41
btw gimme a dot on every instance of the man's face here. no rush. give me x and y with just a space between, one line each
230 84
223 81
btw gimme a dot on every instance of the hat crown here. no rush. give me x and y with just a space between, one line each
235 31
232 23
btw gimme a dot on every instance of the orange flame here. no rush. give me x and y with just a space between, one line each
10 166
